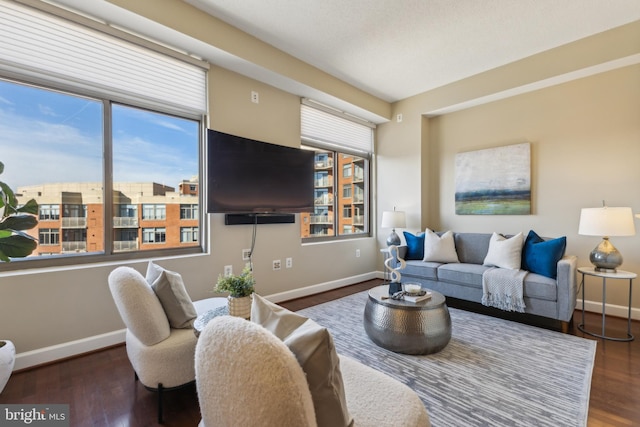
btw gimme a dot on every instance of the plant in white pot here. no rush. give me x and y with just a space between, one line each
14 243
240 288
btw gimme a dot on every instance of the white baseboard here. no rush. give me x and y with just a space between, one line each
322 287
73 348
68 349
610 309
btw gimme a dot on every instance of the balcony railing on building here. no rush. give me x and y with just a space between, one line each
325 199
324 164
324 182
321 219
125 245
358 220
125 222
358 198
74 222
68 247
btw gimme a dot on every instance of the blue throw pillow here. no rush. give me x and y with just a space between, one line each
541 256
415 246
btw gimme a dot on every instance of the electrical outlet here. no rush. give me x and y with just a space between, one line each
399 118
255 97
277 264
228 270
288 263
246 253
357 253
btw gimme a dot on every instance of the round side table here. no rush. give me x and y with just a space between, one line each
406 327
619 274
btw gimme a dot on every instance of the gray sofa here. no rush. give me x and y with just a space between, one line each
544 296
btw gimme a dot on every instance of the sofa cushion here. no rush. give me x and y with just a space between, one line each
415 245
541 256
540 287
439 248
426 270
313 346
504 252
462 274
472 247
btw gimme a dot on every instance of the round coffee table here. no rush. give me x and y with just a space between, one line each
406 327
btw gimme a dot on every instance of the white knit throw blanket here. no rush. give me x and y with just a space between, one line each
502 288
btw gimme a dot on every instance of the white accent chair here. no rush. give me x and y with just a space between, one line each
246 376
162 357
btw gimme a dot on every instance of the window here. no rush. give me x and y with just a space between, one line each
49 212
346 191
188 211
110 131
342 147
150 212
154 235
188 234
49 236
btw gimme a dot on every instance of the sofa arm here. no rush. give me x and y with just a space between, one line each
567 287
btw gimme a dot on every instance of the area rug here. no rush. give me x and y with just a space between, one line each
493 372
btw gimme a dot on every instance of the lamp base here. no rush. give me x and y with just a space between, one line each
393 239
605 257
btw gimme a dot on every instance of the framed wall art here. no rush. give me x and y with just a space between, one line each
494 181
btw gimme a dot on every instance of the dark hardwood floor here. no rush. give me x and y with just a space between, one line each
101 391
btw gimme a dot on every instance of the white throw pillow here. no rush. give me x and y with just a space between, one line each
439 248
504 253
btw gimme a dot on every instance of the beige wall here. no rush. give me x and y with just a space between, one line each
43 308
585 140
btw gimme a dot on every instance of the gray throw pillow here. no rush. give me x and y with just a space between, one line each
175 300
313 346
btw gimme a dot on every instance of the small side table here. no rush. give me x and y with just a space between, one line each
619 274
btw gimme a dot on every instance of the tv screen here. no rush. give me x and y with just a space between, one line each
249 176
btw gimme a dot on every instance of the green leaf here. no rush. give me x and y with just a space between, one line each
1 167
30 207
9 199
17 246
18 222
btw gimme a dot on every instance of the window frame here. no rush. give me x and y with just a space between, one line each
337 202
49 260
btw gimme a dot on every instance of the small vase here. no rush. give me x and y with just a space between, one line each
7 360
240 306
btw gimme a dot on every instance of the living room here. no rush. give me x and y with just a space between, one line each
577 105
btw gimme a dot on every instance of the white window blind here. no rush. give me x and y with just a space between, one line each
51 48
336 131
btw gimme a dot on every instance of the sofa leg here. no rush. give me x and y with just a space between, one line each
565 326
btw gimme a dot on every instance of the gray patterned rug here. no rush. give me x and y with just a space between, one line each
492 373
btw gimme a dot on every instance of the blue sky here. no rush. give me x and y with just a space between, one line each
47 136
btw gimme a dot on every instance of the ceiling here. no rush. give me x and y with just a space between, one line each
394 49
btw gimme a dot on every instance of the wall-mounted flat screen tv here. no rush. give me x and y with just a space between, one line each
249 176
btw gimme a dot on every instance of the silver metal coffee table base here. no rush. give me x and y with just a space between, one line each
406 327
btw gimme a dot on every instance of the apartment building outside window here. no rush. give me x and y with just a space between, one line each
107 146
342 149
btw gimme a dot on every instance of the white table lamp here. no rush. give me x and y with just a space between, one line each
393 219
606 222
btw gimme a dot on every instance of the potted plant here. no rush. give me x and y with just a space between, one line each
240 288
7 360
14 219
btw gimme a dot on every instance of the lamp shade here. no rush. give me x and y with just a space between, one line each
606 221
393 219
